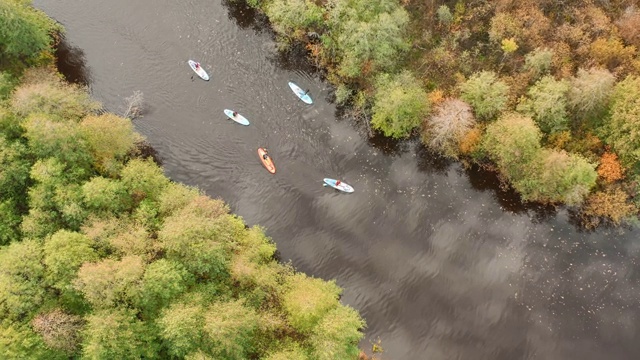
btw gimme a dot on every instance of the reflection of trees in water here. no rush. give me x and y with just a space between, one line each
71 63
245 16
431 162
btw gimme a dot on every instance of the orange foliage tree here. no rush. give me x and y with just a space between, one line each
610 169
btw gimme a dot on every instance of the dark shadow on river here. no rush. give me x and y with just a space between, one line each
441 262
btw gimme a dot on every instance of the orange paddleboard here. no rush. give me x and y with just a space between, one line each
268 163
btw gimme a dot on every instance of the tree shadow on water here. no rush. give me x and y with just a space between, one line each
431 162
71 63
245 16
509 200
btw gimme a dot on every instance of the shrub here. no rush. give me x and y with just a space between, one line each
108 282
106 196
400 105
64 253
336 336
294 16
444 15
485 93
59 330
110 138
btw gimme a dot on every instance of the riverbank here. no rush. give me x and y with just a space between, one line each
491 84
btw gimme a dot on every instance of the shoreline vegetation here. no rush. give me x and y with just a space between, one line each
103 257
546 93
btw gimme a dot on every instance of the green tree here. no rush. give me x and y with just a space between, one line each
24 31
61 140
64 253
538 62
162 281
622 129
589 92
21 278
308 300
182 328
337 335
400 105
366 36
105 196
485 93
49 94
547 104
14 170
10 220
513 141
444 15
289 352
109 282
117 334
110 138
557 176
291 17
19 341
144 179
230 327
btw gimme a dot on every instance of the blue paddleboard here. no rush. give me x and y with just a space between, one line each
300 93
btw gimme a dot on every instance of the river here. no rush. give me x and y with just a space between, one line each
440 261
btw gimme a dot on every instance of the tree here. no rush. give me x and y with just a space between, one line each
547 104
109 282
337 334
61 140
21 278
291 17
143 179
622 128
24 31
162 281
289 352
105 196
557 176
117 334
19 341
181 325
64 253
59 330
366 36
538 62
109 138
612 204
230 327
629 26
400 105
609 168
589 92
613 54
308 300
444 15
452 120
512 141
485 93
50 95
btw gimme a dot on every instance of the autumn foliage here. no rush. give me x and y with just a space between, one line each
610 169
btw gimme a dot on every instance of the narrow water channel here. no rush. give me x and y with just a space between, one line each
440 262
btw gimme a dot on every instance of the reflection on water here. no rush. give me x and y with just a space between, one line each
71 63
441 261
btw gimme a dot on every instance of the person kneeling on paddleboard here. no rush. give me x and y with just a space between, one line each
338 182
235 113
197 66
265 155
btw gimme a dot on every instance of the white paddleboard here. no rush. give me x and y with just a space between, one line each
300 93
238 118
200 71
342 187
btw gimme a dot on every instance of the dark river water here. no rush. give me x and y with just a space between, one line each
440 262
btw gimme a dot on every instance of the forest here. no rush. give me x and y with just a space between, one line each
546 93
103 257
